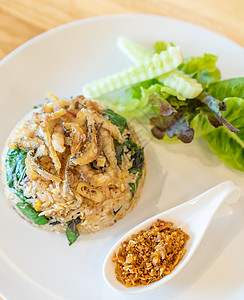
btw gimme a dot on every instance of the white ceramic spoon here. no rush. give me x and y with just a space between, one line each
193 217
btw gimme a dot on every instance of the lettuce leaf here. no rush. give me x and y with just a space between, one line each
203 68
193 65
174 125
129 102
164 91
233 87
213 108
181 119
135 91
226 145
222 90
213 111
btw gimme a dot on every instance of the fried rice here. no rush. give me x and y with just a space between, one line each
73 166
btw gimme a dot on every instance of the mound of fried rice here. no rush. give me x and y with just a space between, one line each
72 168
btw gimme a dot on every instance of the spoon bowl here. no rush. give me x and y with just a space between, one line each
193 217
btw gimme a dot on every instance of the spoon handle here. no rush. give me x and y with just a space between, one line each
235 193
225 208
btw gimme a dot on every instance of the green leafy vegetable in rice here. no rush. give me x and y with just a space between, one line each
74 166
16 174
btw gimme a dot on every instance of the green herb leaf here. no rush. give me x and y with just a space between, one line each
134 185
16 172
137 157
119 150
116 211
133 188
137 154
72 231
131 146
28 211
37 106
193 65
116 119
135 91
137 170
15 166
163 91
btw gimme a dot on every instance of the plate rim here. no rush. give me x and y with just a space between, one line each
67 25
59 28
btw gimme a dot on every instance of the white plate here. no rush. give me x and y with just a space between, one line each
35 264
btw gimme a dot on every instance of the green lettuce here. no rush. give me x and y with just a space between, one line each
137 97
202 68
224 90
226 145
233 87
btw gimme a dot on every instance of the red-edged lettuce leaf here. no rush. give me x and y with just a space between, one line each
226 145
174 125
